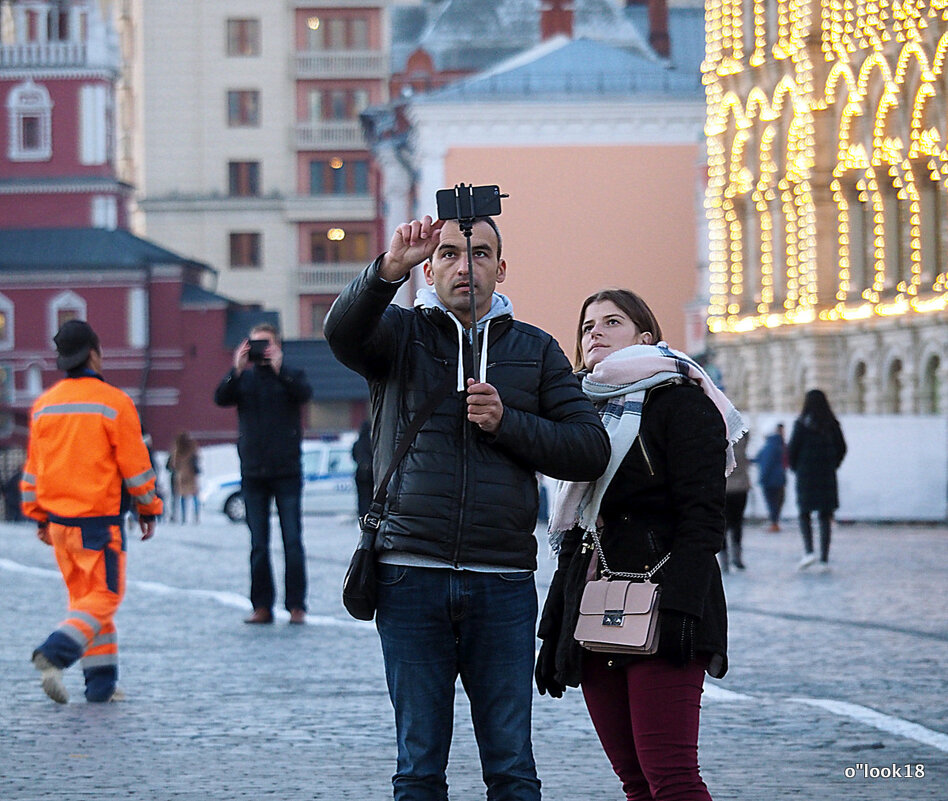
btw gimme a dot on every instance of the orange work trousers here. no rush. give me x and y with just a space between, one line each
91 557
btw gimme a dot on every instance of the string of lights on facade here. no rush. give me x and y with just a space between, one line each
876 75
827 162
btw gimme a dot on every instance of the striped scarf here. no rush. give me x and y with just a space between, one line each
618 384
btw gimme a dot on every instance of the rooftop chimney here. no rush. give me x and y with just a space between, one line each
658 27
556 17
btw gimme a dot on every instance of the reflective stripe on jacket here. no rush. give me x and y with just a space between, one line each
85 445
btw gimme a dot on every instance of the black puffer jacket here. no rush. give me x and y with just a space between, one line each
667 497
268 413
461 494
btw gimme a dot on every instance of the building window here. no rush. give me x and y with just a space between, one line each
94 122
336 34
338 105
6 323
243 108
932 394
338 246
359 34
317 316
243 178
338 176
64 307
243 37
138 322
34 381
245 249
29 116
105 212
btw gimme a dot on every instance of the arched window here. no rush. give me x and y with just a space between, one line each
892 399
29 115
931 393
859 389
64 307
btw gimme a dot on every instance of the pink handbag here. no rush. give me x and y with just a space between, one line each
618 615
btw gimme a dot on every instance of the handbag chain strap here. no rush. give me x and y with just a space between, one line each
610 574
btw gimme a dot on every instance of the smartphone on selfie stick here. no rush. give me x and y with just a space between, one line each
465 204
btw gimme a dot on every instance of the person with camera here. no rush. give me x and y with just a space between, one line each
658 509
456 547
269 397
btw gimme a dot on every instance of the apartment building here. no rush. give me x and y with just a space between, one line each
246 142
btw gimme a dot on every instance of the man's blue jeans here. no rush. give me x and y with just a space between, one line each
436 625
258 493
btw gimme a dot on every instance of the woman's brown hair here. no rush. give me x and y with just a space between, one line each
632 305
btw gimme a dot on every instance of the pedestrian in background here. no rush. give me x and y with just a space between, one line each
456 591
85 453
772 474
362 456
735 502
815 452
185 466
269 397
12 512
662 494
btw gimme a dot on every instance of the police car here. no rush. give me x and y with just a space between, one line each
328 483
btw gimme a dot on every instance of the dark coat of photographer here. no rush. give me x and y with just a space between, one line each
269 397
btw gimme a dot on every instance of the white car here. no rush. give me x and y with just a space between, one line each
328 483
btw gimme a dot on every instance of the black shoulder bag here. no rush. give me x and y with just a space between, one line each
359 590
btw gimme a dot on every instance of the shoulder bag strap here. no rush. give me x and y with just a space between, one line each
373 518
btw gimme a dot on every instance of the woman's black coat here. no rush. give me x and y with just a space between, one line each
814 455
667 496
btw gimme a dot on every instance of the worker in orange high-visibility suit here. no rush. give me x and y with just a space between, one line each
86 460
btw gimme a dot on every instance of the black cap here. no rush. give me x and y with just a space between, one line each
74 341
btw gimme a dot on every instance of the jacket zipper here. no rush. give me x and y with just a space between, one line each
648 462
465 446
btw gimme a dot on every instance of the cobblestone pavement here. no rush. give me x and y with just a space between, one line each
830 675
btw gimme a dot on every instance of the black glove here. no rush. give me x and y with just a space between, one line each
676 638
545 673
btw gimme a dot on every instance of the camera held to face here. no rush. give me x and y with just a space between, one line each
258 351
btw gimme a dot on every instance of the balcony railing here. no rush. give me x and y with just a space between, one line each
50 54
326 279
342 135
341 64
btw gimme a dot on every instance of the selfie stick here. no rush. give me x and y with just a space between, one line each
466 224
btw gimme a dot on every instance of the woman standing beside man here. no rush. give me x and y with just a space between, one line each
663 493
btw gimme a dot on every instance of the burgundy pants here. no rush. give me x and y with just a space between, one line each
646 716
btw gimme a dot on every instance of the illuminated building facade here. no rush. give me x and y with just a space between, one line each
826 200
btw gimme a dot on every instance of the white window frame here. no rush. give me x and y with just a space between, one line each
34 381
6 307
29 100
64 301
94 119
104 212
137 317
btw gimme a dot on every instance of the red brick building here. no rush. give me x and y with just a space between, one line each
64 248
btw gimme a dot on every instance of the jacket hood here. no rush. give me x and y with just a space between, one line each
427 298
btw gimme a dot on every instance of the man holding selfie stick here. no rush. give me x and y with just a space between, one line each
269 397
456 547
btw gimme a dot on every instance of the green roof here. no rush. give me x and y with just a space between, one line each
82 249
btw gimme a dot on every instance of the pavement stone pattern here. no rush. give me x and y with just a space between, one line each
218 710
